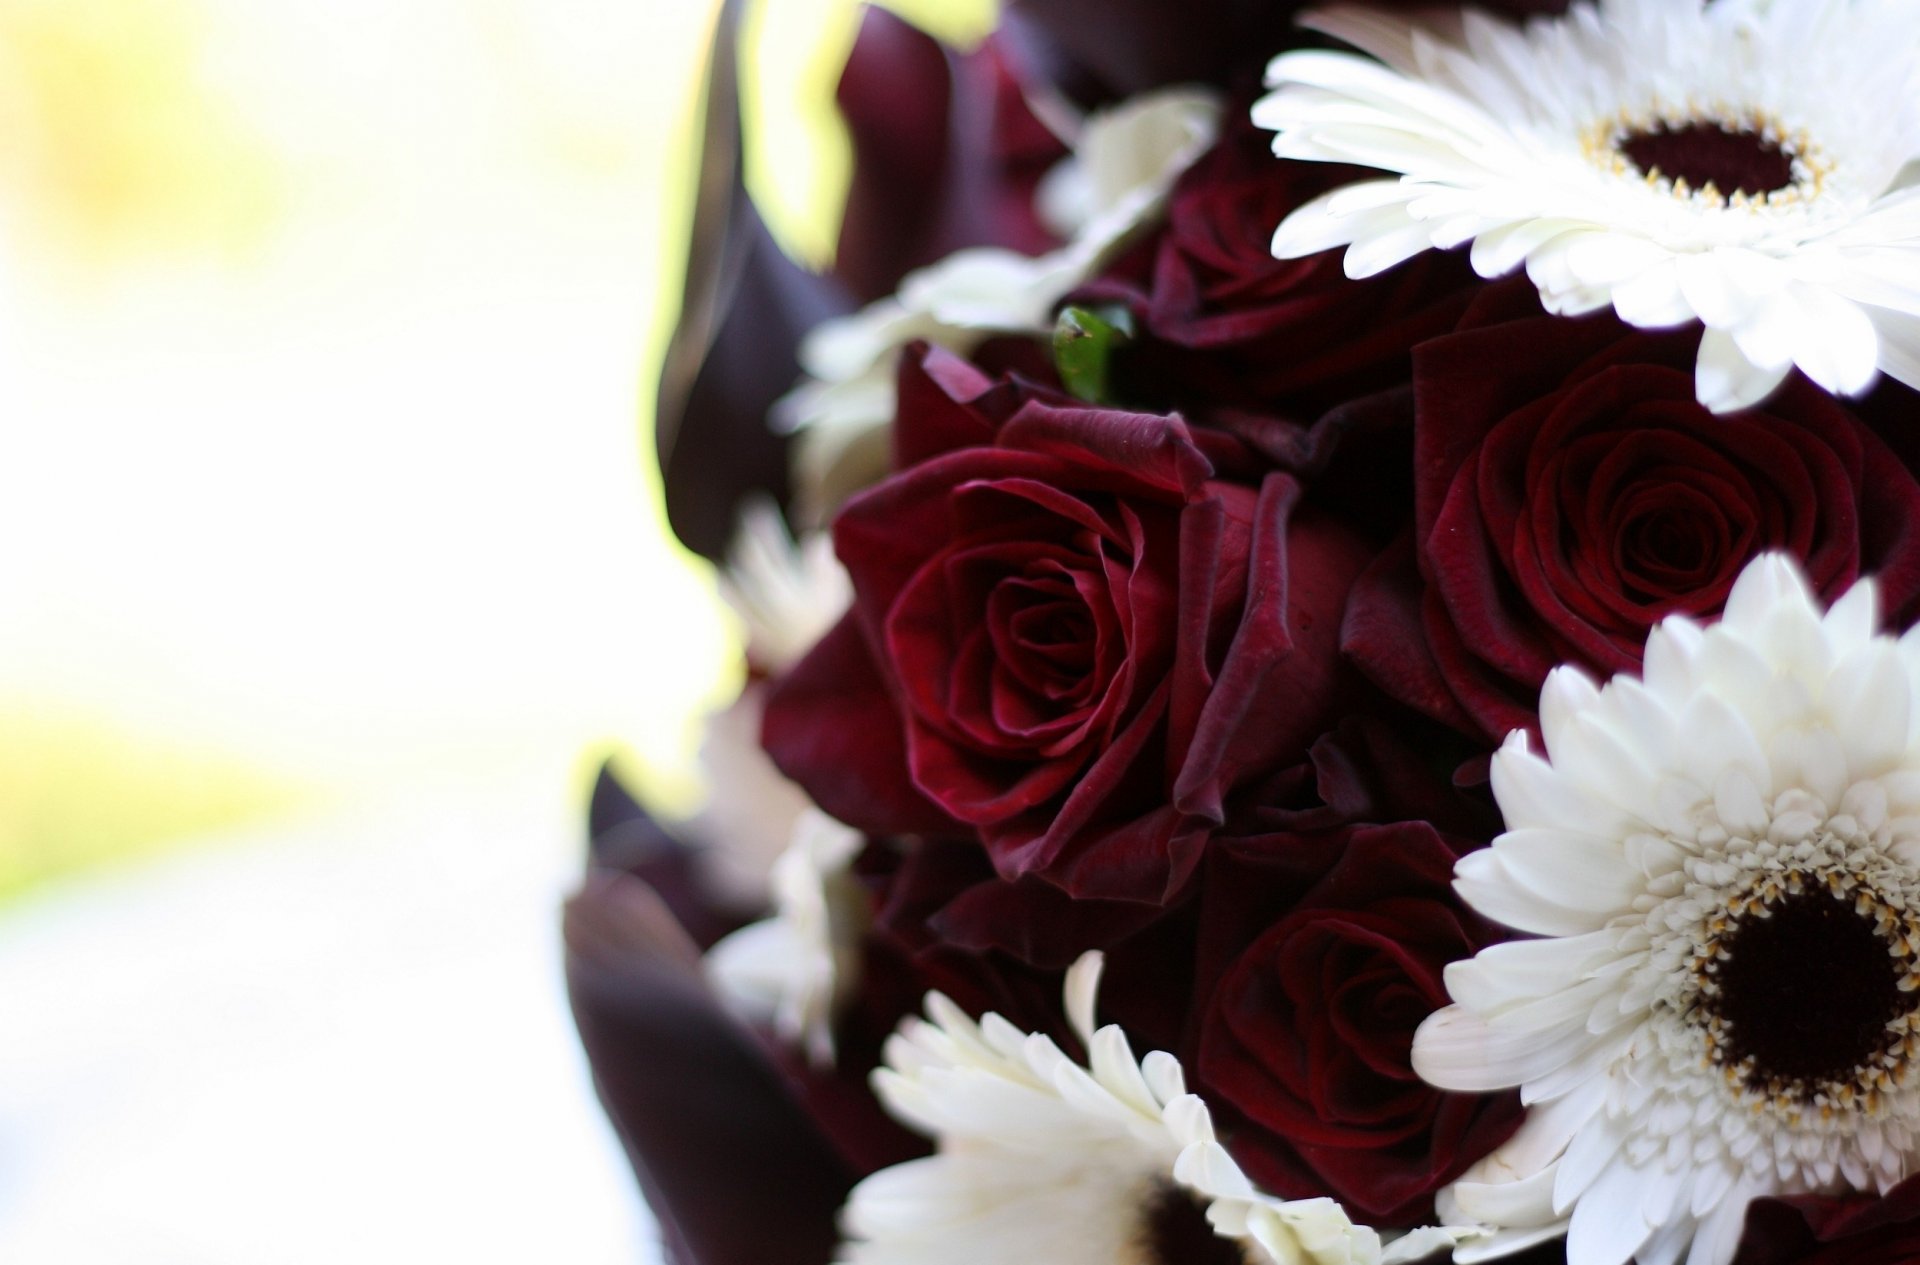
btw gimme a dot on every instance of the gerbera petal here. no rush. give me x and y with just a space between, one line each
1726 381
1899 334
1586 873
1832 340
1653 299
1456 1049
1607 1226
1725 286
1488 885
1870 687
1603 258
1719 1235
1520 970
1527 1202
1381 34
1532 794
1715 738
1592 1152
1082 985
1500 250
1567 693
1044 1158
1377 252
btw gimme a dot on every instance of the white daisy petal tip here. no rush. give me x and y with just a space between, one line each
795 969
1771 582
1043 1157
787 590
1682 162
1083 984
1725 1001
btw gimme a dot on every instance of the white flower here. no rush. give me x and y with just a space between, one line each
1736 162
1723 862
1124 163
1043 1158
792 970
787 592
751 808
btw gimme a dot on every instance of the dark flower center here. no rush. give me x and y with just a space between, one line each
1703 154
1676 549
1176 1232
1806 989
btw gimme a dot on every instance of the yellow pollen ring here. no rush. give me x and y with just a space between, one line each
1884 1071
1601 144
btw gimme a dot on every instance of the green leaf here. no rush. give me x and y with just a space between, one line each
1083 344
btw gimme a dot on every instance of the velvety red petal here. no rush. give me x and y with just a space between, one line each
735 1170
832 726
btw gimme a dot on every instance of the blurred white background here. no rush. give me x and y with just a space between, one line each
330 568
329 565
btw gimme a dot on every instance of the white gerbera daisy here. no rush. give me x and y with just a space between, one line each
792 970
1045 1159
1124 162
1737 162
1724 861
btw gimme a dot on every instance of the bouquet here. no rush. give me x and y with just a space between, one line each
1326 595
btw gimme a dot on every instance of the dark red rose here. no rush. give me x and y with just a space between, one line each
1087 640
1570 492
1329 951
1380 763
1004 945
1834 1230
1227 323
1115 48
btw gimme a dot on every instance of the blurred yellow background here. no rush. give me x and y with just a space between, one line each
327 334
323 334
331 564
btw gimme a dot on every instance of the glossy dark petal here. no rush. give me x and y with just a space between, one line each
744 310
895 95
1115 48
734 1169
626 838
1126 46
946 155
